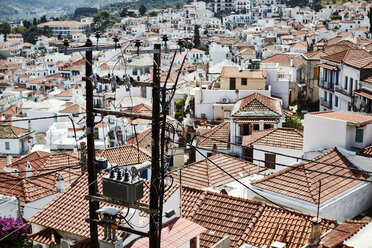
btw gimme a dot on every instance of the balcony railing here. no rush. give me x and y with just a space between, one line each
325 103
325 84
341 90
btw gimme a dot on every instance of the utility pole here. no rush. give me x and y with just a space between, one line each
92 174
155 156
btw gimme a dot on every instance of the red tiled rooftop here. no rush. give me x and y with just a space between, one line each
354 118
204 173
277 224
304 185
220 132
289 138
258 102
47 236
124 155
174 234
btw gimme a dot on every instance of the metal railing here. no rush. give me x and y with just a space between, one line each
341 90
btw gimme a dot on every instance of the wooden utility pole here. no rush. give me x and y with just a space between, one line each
92 173
155 156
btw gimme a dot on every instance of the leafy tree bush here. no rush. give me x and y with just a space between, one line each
142 10
85 11
196 40
14 233
294 122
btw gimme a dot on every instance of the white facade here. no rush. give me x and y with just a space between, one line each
205 99
324 133
346 205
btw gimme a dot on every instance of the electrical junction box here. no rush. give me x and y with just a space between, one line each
118 188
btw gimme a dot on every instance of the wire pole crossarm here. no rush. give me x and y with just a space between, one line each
92 48
122 114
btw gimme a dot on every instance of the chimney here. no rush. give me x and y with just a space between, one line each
292 61
28 170
9 160
29 125
236 95
261 125
361 43
315 231
214 149
15 172
60 183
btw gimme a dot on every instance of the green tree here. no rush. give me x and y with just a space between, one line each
101 21
26 24
294 122
124 12
196 40
34 22
142 10
43 19
5 29
153 13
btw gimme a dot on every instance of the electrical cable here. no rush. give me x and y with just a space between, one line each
252 190
277 153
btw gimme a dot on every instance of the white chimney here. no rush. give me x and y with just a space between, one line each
29 125
236 95
292 61
28 170
60 183
9 160
261 125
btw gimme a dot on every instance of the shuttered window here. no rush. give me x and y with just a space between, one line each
270 160
359 135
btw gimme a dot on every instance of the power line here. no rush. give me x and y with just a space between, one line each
277 153
257 193
39 118
284 165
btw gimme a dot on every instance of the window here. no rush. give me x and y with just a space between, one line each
244 81
96 135
270 160
351 84
336 101
7 146
209 154
316 72
359 135
325 95
346 79
232 83
336 78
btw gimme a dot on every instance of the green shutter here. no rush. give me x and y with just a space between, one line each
359 135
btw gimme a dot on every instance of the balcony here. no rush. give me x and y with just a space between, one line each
325 103
325 84
340 89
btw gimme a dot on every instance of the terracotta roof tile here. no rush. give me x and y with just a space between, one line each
191 197
75 108
221 214
289 138
283 59
355 118
277 224
174 234
343 231
367 151
10 132
220 132
68 211
124 155
258 105
145 139
228 71
304 185
204 174
47 236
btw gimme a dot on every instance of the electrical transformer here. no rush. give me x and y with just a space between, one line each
124 188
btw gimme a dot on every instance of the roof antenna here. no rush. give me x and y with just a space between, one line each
317 211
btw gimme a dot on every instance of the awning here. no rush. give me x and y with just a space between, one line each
364 93
254 120
329 67
27 138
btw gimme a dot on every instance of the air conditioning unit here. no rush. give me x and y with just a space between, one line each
67 243
225 100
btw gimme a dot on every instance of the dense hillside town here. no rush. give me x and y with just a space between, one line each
222 123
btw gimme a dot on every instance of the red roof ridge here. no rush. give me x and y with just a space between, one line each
251 224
